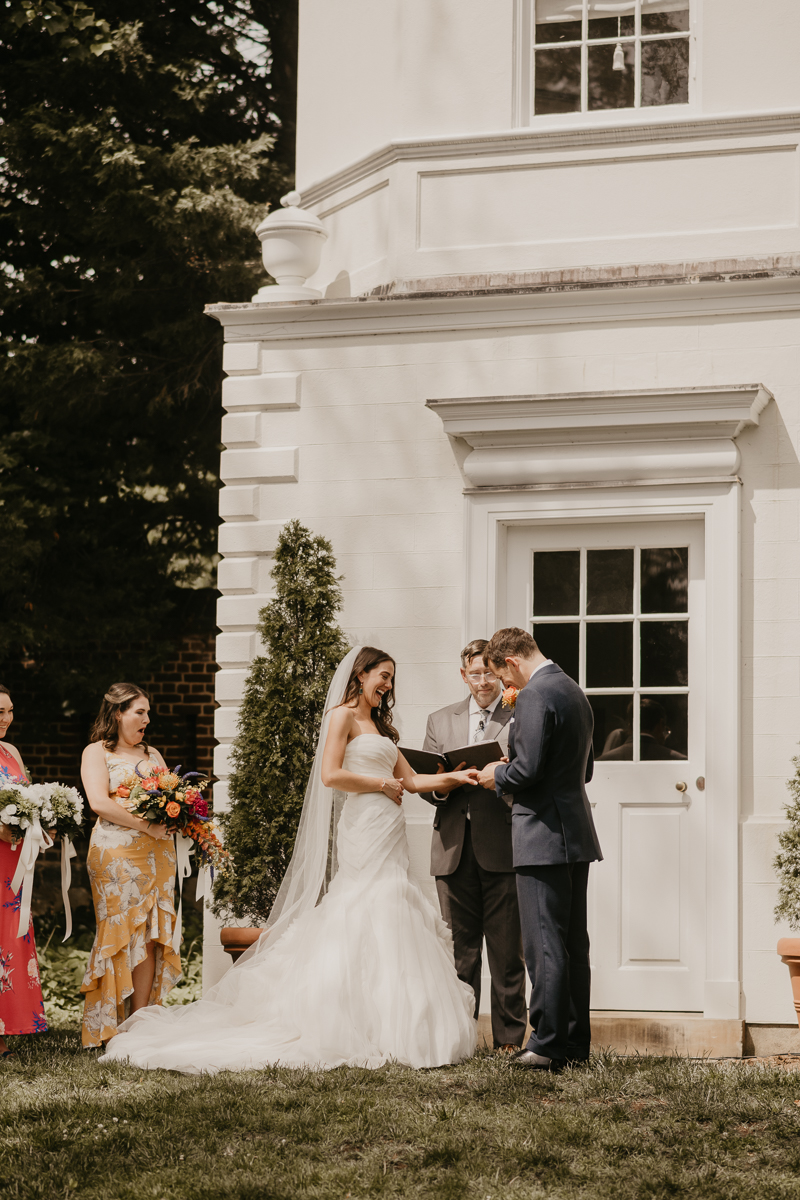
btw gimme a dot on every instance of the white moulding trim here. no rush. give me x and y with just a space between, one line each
631 131
602 437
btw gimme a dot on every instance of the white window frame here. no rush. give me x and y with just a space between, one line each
523 104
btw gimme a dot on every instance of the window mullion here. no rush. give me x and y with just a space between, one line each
637 78
585 57
582 622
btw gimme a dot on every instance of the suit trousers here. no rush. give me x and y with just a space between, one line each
555 937
475 904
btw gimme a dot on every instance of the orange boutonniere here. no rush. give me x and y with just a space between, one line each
510 697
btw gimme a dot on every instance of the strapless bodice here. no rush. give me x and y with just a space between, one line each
370 754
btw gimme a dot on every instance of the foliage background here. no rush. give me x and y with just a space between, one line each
787 861
279 722
141 142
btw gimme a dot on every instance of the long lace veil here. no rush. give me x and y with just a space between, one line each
313 861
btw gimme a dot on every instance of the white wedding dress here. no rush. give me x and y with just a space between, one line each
363 978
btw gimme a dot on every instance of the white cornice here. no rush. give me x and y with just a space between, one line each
599 437
580 137
582 416
386 316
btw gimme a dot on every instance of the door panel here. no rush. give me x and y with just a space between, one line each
621 608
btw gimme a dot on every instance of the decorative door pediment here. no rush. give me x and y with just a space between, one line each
603 438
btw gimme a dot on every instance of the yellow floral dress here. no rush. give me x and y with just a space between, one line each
133 886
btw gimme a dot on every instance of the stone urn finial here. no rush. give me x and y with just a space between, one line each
291 245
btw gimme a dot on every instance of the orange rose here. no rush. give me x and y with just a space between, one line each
123 791
510 697
173 809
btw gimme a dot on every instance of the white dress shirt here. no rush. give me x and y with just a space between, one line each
548 662
475 715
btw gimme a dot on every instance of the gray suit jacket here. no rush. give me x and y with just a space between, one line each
550 748
490 815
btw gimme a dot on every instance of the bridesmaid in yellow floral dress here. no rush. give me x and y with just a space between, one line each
131 867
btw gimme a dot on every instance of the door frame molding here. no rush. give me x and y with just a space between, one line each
487 518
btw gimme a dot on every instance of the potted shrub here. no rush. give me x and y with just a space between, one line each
277 732
787 866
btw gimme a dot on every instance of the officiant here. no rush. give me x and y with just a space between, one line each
471 856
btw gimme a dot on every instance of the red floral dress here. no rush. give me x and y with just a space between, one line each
21 1005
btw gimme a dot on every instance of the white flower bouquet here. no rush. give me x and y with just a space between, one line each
58 808
18 808
39 810
61 808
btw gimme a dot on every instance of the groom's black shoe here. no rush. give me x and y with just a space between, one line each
532 1061
577 1060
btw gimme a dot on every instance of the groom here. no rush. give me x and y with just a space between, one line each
550 761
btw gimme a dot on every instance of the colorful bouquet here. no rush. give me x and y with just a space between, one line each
175 800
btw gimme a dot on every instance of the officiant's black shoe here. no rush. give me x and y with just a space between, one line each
532 1061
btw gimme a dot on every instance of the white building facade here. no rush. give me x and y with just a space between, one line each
553 380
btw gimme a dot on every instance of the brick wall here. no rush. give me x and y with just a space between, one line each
181 725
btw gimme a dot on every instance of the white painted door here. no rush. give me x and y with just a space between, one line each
621 608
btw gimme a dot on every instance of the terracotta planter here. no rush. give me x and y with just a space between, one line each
789 950
236 941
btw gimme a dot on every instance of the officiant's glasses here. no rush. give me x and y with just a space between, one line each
481 677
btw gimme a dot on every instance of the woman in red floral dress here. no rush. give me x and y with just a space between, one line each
21 1005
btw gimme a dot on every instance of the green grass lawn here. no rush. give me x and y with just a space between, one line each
635 1128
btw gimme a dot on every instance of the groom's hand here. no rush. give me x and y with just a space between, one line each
486 776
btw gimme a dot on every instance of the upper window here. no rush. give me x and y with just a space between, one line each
595 54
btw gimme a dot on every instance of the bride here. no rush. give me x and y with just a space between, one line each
360 975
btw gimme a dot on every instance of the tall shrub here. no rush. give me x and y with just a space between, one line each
279 722
787 861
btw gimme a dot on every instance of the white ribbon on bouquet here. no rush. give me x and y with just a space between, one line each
184 847
35 840
68 852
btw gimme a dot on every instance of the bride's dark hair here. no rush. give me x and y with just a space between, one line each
367 659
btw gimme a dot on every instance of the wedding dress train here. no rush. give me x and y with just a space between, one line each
363 978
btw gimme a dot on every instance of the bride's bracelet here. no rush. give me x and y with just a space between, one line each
383 784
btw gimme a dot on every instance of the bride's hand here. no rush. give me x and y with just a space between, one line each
393 788
459 778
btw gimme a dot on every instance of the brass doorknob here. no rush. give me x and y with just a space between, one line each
680 787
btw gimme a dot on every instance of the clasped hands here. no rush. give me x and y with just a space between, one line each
486 776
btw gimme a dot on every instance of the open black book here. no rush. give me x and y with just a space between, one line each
478 755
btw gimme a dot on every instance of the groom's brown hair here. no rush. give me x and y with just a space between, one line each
509 643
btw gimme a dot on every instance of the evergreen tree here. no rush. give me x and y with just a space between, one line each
136 143
279 722
787 861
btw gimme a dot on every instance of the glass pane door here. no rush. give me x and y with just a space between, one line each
617 620
621 608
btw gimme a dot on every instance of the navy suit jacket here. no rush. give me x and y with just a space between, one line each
551 761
